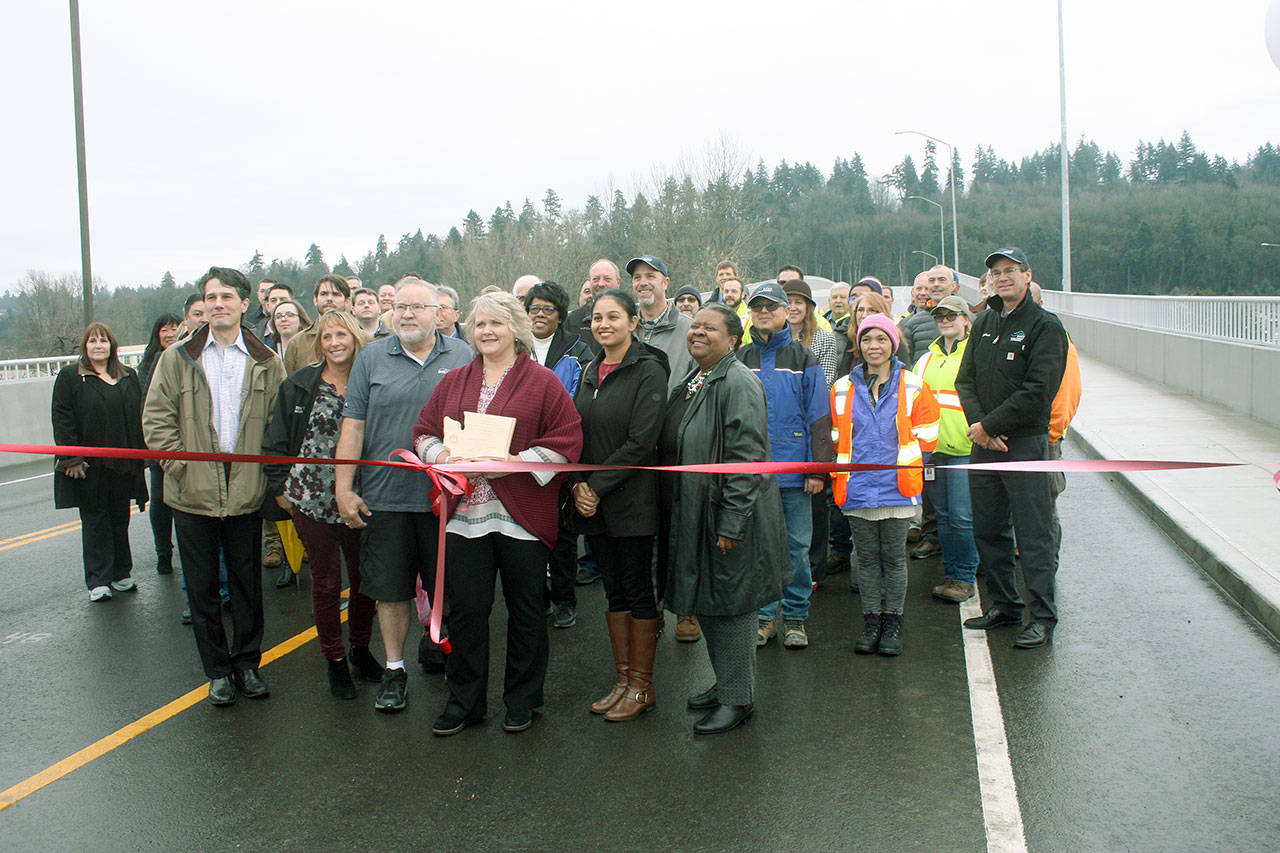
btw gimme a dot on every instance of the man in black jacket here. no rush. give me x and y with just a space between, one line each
1008 378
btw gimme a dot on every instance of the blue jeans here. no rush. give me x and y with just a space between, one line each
949 492
797 509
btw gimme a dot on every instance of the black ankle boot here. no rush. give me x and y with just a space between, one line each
340 683
866 644
890 635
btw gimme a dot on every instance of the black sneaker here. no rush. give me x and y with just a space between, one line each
586 576
566 615
391 693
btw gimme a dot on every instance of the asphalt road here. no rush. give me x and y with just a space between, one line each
1151 723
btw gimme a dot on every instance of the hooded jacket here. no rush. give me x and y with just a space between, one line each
621 419
178 415
795 390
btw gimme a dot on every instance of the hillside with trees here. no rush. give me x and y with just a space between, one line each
1170 220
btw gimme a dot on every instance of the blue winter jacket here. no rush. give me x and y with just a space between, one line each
875 442
796 397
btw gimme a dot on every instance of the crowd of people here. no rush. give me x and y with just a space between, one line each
634 374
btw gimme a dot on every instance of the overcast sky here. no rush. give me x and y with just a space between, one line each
217 129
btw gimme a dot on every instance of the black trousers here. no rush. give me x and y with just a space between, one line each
818 547
239 538
471 569
161 515
104 532
626 564
563 569
1003 500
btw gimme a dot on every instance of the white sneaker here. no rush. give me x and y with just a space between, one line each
124 586
100 593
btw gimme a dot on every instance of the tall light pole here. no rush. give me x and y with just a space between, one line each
951 168
929 254
942 239
1065 161
77 91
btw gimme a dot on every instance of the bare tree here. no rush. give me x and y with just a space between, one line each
47 314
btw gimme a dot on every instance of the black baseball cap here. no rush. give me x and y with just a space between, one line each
656 263
1013 253
771 291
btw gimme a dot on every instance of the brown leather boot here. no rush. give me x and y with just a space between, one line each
619 637
639 694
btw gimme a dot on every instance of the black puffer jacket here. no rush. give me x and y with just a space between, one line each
621 419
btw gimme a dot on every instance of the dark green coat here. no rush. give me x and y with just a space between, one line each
726 422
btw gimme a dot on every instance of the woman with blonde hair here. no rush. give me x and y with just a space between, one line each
306 422
509 523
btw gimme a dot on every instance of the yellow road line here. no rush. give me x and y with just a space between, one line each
48 532
123 735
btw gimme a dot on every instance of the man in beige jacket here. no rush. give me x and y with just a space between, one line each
211 393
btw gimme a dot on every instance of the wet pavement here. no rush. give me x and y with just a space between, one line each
1152 722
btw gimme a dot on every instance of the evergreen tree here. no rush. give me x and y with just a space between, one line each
255 264
929 174
314 261
551 204
380 253
343 268
167 282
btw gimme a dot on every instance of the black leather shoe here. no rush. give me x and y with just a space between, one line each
517 721
993 618
393 691
340 683
722 719
164 564
1033 636
365 665
447 724
926 549
251 684
287 577
704 701
222 691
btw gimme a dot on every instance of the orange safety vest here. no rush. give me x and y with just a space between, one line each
917 422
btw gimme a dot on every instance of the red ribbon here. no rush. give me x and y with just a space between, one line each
449 481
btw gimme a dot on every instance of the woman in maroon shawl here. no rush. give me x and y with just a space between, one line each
508 524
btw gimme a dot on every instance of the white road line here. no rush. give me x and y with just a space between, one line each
1000 811
25 479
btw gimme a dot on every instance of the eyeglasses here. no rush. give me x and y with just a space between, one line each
1003 271
542 309
286 315
765 307
412 308
945 317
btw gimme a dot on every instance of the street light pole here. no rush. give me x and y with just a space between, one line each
1064 160
929 254
942 238
77 90
951 168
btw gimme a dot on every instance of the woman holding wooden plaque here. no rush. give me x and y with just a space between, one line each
508 524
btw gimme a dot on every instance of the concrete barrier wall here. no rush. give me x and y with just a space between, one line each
1240 377
24 416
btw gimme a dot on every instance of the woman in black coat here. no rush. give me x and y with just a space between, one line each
728 549
620 400
97 402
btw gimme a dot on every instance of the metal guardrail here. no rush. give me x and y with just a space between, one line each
38 368
1242 319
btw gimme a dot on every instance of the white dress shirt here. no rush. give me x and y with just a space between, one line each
224 369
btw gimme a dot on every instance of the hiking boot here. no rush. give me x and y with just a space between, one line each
953 590
890 635
767 630
794 637
870 634
927 548
273 556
